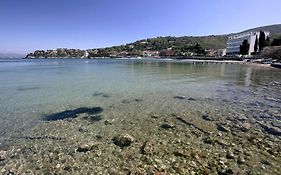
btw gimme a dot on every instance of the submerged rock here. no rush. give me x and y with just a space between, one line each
180 97
241 160
168 126
230 155
108 122
208 117
3 155
245 127
226 172
210 140
222 128
191 99
265 162
271 129
155 116
149 147
123 140
85 147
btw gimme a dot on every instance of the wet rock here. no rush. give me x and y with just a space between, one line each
222 128
168 126
271 129
123 140
149 147
85 147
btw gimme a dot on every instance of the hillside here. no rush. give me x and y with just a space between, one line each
275 30
177 46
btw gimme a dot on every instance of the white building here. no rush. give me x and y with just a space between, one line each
235 41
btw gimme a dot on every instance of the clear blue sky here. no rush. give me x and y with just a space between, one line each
27 25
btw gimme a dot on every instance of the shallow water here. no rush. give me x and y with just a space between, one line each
34 92
31 89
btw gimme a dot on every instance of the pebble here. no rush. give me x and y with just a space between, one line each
245 127
230 155
123 140
265 162
168 126
108 122
149 147
222 128
208 117
85 147
180 97
3 155
241 160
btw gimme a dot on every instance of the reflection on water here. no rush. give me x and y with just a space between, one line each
248 76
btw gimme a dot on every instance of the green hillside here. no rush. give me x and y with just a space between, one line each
177 45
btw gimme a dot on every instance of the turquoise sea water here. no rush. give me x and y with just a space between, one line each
32 89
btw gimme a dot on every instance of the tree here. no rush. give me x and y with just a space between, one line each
262 42
244 48
276 42
267 41
256 47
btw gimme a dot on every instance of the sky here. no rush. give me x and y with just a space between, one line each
28 25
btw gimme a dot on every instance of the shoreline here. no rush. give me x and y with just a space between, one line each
203 60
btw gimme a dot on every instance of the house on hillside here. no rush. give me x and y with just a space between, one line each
215 52
150 53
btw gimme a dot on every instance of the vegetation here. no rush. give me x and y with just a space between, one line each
256 45
262 41
244 48
272 52
276 41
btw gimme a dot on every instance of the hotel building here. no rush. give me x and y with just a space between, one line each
235 41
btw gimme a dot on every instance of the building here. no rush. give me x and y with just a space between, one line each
150 53
215 52
235 41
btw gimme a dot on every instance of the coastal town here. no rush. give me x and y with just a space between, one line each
252 44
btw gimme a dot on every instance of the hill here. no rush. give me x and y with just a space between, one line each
177 46
275 30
